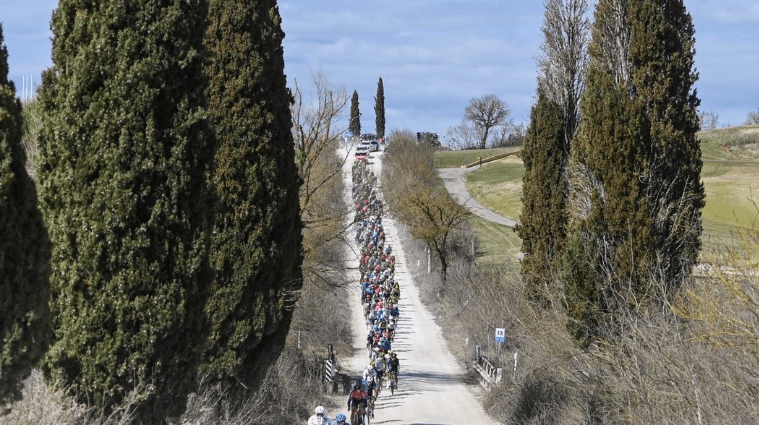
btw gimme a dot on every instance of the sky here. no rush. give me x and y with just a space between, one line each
435 55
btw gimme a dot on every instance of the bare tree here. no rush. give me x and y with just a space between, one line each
708 120
564 63
753 117
314 132
462 136
486 112
611 39
317 138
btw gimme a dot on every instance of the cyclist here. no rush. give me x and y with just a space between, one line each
380 367
393 367
357 403
319 417
385 344
371 395
369 372
340 420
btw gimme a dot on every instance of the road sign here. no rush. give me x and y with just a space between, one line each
500 335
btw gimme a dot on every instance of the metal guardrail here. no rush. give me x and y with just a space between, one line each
489 374
482 160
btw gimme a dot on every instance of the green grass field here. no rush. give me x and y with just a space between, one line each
498 186
451 159
730 176
498 245
731 181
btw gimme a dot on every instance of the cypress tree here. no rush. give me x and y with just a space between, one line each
662 55
379 110
355 121
638 152
126 155
607 247
24 251
542 225
256 244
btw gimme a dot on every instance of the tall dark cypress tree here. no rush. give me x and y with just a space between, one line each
24 251
542 226
126 155
637 145
607 247
662 55
379 110
355 120
256 248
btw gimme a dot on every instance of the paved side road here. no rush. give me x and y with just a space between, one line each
454 183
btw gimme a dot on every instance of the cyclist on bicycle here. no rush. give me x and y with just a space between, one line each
369 372
393 367
371 394
357 403
380 366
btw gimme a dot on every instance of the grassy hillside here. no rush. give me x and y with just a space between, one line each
731 180
498 245
450 159
730 176
498 186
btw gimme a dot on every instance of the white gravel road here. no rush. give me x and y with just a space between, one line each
430 388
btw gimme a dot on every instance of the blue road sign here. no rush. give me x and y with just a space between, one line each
500 335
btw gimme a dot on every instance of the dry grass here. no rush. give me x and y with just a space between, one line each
42 405
691 362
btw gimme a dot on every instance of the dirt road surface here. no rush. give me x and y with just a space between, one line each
430 384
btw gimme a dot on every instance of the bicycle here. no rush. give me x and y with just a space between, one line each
358 415
393 382
370 410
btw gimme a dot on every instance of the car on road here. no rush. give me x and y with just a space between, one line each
373 146
362 151
364 147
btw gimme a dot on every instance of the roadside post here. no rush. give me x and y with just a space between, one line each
329 372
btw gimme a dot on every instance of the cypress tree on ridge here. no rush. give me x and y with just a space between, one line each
24 251
379 110
355 120
126 160
256 244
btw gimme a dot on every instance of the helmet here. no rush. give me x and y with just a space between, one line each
356 386
320 410
340 418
